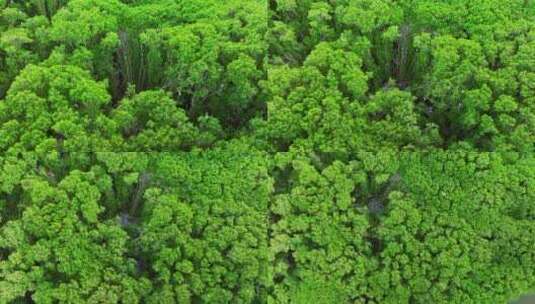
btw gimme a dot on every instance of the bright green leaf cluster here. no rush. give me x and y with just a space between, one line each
254 151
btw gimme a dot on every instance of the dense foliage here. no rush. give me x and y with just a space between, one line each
280 151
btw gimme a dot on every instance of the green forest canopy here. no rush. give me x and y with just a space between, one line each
289 151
